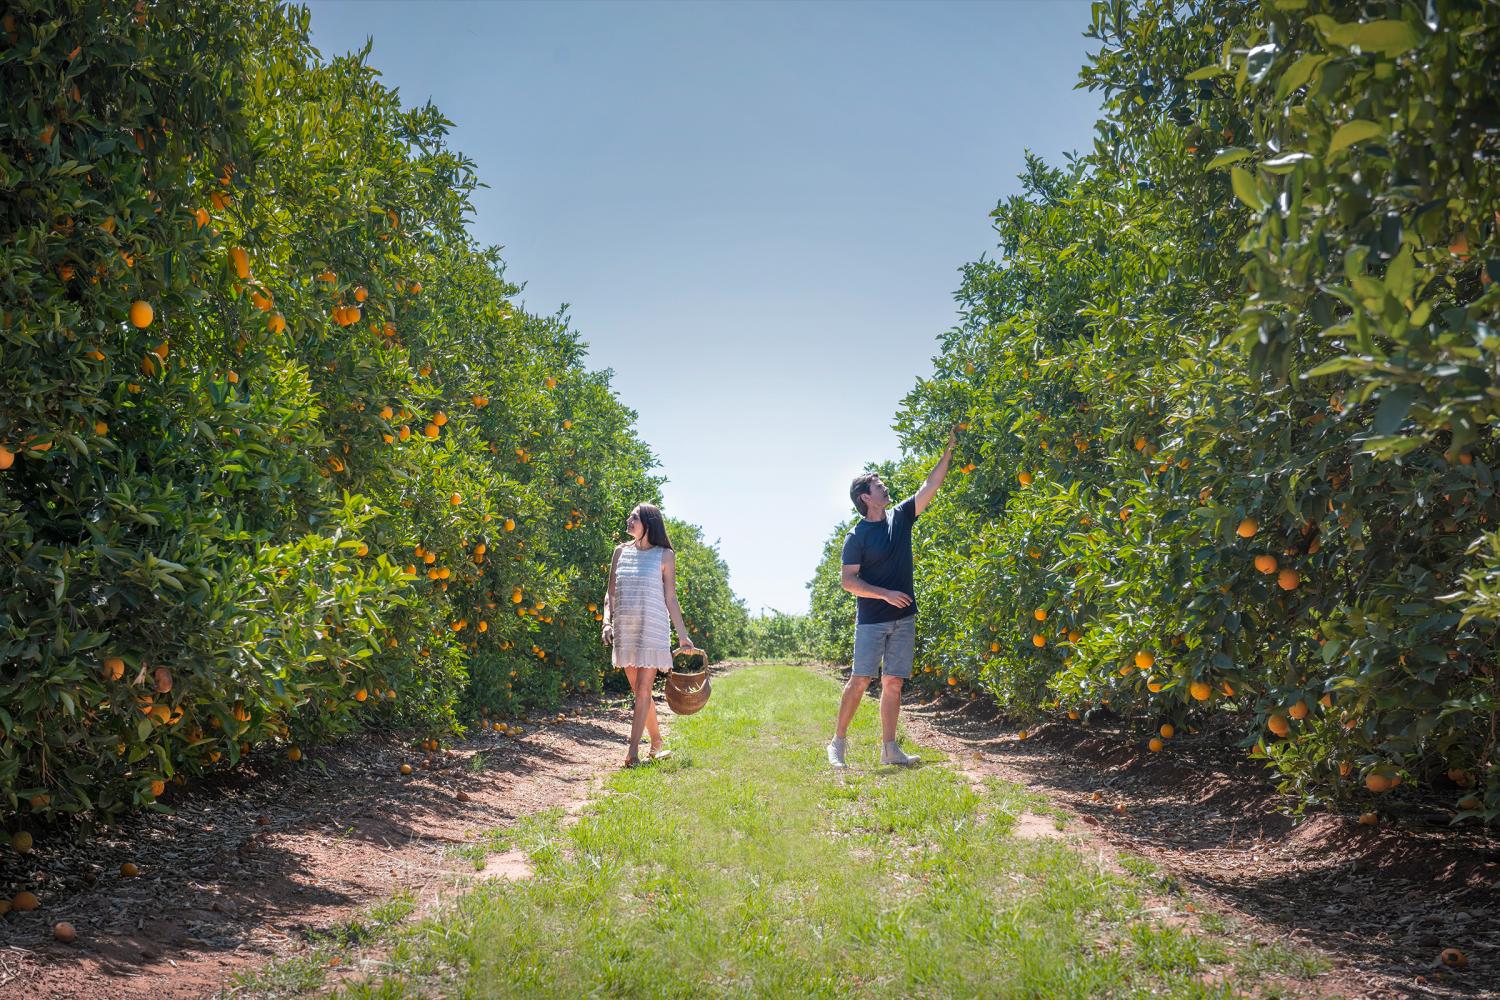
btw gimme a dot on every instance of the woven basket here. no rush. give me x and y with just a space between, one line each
688 687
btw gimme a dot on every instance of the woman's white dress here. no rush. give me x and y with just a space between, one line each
643 636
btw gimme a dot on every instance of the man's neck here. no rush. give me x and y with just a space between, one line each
875 515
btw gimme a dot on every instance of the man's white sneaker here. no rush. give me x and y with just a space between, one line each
836 754
891 754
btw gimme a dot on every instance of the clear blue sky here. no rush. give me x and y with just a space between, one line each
756 212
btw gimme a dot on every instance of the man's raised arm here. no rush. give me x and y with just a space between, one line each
937 475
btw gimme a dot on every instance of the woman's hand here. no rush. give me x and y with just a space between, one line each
608 634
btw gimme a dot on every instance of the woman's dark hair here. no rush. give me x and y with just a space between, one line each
861 486
656 525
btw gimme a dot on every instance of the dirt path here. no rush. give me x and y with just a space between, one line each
1380 902
243 871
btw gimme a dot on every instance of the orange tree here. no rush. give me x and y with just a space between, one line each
717 619
1227 396
279 458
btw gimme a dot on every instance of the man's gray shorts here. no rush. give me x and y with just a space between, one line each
895 643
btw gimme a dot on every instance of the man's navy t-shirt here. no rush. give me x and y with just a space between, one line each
882 551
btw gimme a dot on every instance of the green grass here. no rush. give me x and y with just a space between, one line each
744 867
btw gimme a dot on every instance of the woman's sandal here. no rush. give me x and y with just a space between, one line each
632 761
661 754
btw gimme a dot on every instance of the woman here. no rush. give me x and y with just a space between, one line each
642 594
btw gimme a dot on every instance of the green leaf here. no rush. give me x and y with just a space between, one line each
1297 74
1349 133
1284 163
1387 37
1228 155
1394 405
1245 188
1206 72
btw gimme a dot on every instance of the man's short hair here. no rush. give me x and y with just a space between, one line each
860 488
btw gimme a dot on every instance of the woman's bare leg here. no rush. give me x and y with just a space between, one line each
653 730
641 679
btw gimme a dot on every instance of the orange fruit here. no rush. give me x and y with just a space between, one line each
7 458
1288 579
510 525
455 499
953 682
24 902
405 769
1167 731
1200 690
21 841
63 932
1154 744
1378 781
1247 528
1040 614
277 323
141 314
114 668
294 754
240 261
1454 959
1368 819
1277 724
1145 660
1025 478
1265 563
431 430
440 418
363 550
1039 640
1298 710
361 694
360 293
157 787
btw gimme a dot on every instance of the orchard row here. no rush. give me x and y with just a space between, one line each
1228 392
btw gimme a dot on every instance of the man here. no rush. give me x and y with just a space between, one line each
877 570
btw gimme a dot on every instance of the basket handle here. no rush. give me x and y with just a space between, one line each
695 652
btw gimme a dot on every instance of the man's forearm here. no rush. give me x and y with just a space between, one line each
860 588
940 471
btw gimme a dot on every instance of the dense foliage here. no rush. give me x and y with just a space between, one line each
279 458
779 636
715 617
1228 395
